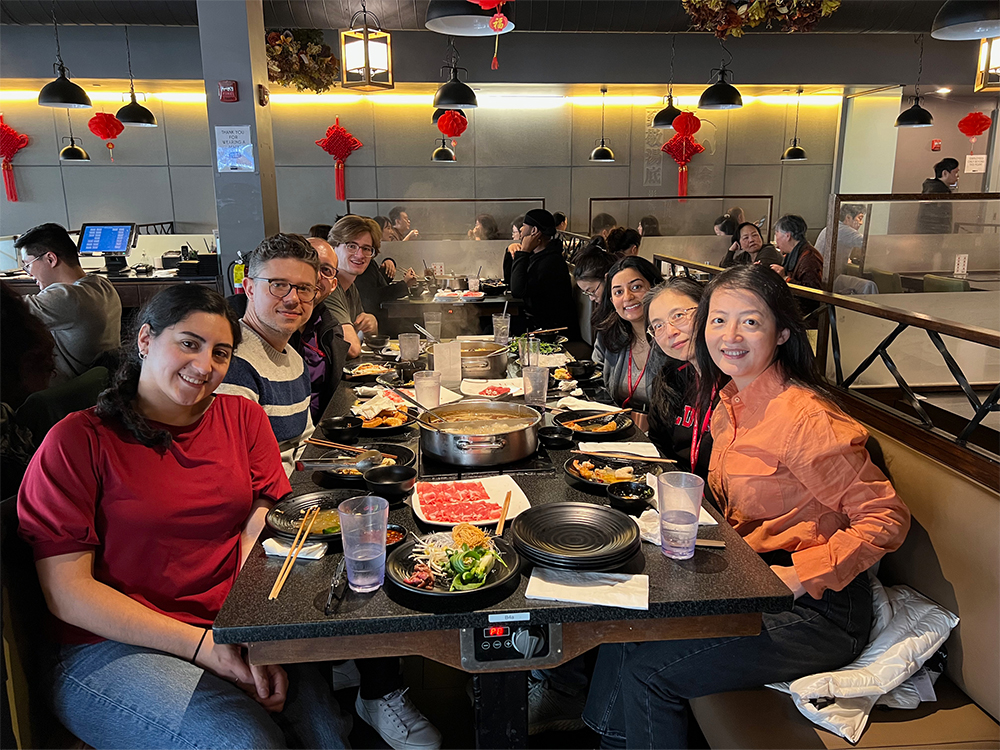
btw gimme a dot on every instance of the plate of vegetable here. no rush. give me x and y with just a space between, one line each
544 346
285 518
452 563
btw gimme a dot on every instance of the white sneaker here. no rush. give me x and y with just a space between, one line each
399 722
346 675
551 710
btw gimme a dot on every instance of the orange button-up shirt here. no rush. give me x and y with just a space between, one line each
791 472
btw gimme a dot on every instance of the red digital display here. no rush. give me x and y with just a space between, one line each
497 631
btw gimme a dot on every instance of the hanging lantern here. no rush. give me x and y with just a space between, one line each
452 123
339 144
366 52
683 147
10 143
107 128
974 125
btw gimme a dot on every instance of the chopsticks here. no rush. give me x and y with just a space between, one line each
547 330
297 544
594 416
503 514
328 444
635 456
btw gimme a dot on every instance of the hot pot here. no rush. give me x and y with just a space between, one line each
502 447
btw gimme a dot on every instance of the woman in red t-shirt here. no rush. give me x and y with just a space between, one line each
141 512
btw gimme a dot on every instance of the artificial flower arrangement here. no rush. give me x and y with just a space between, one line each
301 58
726 18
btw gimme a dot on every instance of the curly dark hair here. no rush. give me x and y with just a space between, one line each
621 239
617 333
168 308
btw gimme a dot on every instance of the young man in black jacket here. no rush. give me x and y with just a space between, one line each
540 277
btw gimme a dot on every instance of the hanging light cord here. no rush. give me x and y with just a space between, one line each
723 70
70 123
920 65
128 56
604 93
673 48
60 66
798 99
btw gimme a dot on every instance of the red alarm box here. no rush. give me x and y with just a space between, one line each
935 144
228 91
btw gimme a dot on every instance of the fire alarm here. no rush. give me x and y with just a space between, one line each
935 144
228 91
263 95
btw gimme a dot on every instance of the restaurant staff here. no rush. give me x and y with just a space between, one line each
540 276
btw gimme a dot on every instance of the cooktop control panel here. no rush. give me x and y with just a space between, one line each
506 645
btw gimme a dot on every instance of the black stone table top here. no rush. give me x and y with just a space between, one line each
714 582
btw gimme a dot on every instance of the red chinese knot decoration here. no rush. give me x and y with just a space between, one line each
10 143
452 123
107 128
498 22
683 147
339 144
972 125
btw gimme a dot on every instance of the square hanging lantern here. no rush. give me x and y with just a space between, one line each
988 69
366 59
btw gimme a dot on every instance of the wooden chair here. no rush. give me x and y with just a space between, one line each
934 283
887 282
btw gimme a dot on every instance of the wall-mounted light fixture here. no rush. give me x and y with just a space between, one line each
62 92
988 69
133 114
602 153
72 152
453 93
916 116
795 152
366 54
664 119
721 94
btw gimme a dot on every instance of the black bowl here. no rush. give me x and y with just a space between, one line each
581 369
630 497
377 342
557 438
341 429
401 530
417 291
391 482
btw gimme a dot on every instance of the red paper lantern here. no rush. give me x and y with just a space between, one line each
488 4
107 128
452 123
339 144
974 124
10 143
683 147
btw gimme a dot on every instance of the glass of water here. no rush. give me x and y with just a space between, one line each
432 322
363 523
536 385
409 346
427 385
529 352
501 329
679 496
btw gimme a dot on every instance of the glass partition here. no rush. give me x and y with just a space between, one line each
450 218
690 216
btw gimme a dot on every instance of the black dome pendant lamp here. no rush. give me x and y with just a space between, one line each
454 94
72 152
963 20
916 116
133 114
62 92
443 153
795 152
721 94
664 119
602 153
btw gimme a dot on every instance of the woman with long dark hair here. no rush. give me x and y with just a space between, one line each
589 271
141 512
793 478
621 349
513 247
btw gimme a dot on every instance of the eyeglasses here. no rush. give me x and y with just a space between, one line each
328 272
26 266
674 321
280 289
366 250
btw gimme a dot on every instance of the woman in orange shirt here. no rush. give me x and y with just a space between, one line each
792 476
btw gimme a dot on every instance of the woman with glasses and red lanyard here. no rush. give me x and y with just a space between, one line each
622 350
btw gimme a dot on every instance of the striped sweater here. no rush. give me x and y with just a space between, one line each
279 382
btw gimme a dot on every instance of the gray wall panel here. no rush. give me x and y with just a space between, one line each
756 134
587 132
524 138
306 195
551 183
40 199
117 193
186 128
804 188
607 180
300 126
194 199
429 181
38 123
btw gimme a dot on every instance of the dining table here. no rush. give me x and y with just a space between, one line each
457 315
718 592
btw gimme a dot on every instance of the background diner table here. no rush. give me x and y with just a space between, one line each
716 593
458 316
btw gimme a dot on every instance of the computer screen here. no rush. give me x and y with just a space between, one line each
106 239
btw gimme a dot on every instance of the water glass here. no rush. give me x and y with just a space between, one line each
501 329
432 322
409 346
363 523
679 496
427 385
529 352
473 283
536 385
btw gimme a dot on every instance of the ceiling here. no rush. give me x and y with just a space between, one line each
575 16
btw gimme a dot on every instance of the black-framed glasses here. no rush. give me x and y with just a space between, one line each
367 250
328 272
674 321
280 288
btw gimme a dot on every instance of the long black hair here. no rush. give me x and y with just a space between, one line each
795 356
168 308
616 333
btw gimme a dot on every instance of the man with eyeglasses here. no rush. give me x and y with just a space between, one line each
281 286
355 239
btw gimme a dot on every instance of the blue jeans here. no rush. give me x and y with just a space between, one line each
112 695
639 692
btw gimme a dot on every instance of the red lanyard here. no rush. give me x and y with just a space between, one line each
310 346
697 435
632 388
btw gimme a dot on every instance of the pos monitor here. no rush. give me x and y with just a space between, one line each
109 240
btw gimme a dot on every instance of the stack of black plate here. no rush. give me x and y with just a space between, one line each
576 536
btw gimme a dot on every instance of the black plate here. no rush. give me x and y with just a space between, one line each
623 424
366 378
399 566
373 431
404 457
639 468
284 518
578 536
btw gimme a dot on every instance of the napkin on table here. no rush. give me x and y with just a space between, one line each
649 524
585 587
570 402
704 517
636 447
277 548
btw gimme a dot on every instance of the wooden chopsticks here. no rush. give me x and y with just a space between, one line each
503 514
300 541
594 416
632 456
547 330
328 444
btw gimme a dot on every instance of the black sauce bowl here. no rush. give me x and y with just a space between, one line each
400 529
341 429
557 438
581 369
391 482
630 497
375 343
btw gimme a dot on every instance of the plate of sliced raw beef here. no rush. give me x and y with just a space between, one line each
477 501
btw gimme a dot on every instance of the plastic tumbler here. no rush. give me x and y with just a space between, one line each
529 352
473 283
363 522
427 385
501 329
409 346
536 385
679 496
432 322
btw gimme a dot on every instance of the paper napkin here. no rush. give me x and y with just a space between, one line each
570 402
585 587
277 548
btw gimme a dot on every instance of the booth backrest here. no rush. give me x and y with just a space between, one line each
951 555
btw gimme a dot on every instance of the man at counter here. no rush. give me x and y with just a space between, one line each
540 276
935 218
83 313
355 239
400 230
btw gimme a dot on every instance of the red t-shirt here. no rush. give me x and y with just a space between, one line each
164 527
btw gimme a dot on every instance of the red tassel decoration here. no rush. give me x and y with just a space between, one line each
339 144
10 143
683 147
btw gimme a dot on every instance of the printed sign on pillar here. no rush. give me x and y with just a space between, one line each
233 148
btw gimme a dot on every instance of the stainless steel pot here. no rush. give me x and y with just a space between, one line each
482 450
475 360
454 282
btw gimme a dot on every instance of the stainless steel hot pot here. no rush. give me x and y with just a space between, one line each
482 450
475 362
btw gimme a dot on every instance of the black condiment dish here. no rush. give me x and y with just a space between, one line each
375 343
630 497
391 482
341 429
557 438
401 530
581 369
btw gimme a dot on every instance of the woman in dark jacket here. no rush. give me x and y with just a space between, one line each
749 247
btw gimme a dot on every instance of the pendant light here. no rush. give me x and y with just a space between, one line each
964 20
664 119
443 153
133 114
916 116
453 94
72 152
366 54
62 92
460 18
795 152
721 94
602 152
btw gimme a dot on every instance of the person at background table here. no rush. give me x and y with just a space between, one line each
485 228
561 221
649 226
513 247
356 241
141 512
602 224
792 476
849 237
677 427
936 218
400 226
623 241
801 263
82 312
540 277
749 247
590 270
727 224
621 349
